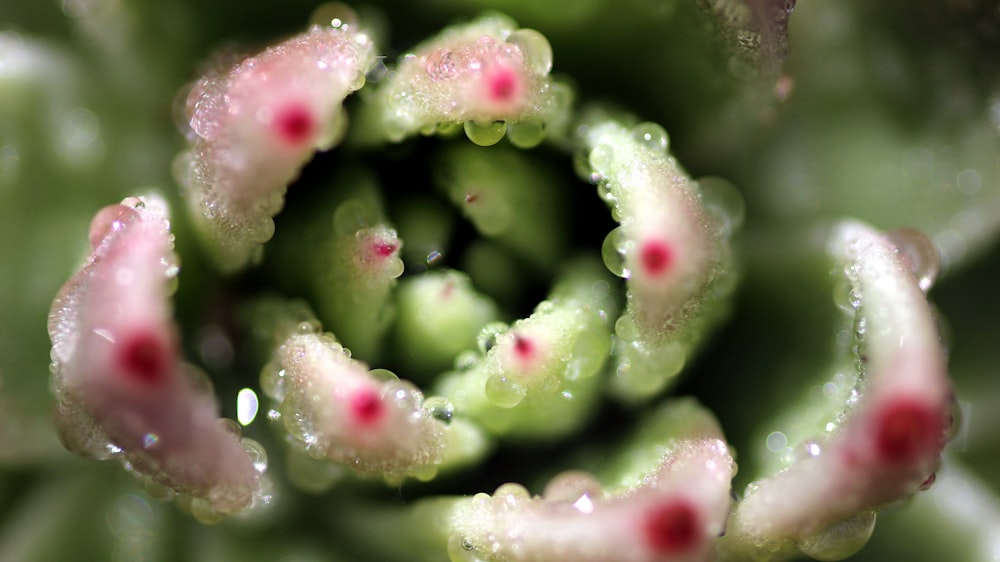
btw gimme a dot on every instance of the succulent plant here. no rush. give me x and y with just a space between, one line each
430 280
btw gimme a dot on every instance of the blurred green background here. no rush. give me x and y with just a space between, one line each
884 111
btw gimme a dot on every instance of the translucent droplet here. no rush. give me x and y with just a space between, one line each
461 549
590 350
231 427
353 215
247 406
613 253
383 375
919 254
842 297
310 474
203 511
335 15
626 329
440 408
723 202
840 540
601 159
485 134
150 440
128 515
272 380
570 485
487 338
257 454
667 358
652 136
528 133
467 360
776 442
504 392
512 494
537 50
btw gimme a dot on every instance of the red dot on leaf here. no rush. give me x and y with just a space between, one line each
384 249
503 85
144 358
367 407
905 430
672 527
655 257
294 124
524 348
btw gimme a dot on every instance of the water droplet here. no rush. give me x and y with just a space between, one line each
257 454
272 380
440 408
652 136
969 182
842 297
353 215
150 440
462 549
231 427
434 257
776 442
723 202
246 406
919 254
840 540
626 329
537 50
467 360
928 482
485 134
504 392
601 159
487 338
590 350
525 134
511 494
569 486
383 375
335 15
613 253
129 515
203 511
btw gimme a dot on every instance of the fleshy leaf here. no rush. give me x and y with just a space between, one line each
538 377
254 125
672 246
486 75
335 408
122 389
886 441
673 511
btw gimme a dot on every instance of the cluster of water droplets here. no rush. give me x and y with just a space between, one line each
315 384
251 127
673 246
486 77
522 374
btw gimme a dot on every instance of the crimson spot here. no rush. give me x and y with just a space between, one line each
672 527
367 407
655 257
384 249
295 124
905 430
143 357
524 348
503 85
